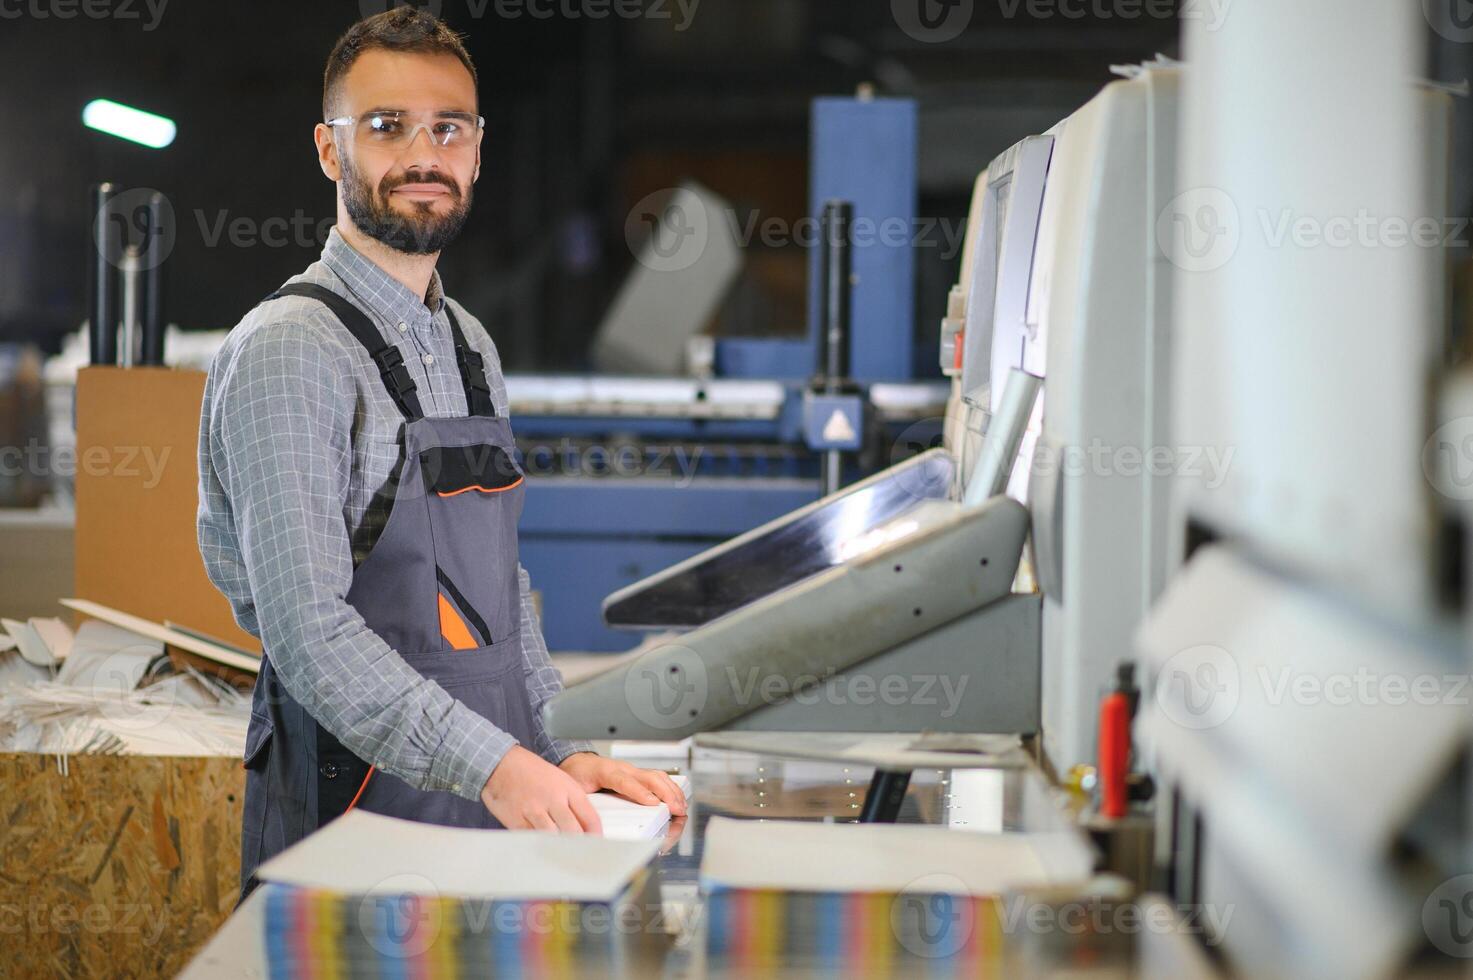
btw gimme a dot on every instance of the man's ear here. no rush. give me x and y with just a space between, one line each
327 153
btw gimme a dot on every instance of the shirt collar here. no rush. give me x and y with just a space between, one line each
381 292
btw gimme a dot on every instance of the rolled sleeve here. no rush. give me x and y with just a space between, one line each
470 752
281 413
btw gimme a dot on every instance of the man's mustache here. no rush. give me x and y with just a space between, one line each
390 182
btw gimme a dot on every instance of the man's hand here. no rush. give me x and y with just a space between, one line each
525 792
647 786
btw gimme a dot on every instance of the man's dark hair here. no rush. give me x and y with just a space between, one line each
396 29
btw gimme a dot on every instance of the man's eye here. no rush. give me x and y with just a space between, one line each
384 126
447 129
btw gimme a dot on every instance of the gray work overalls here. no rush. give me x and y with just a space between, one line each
439 586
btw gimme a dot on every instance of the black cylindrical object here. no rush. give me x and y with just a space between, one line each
836 269
102 297
153 276
885 797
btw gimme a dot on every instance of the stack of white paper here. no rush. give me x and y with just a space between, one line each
363 853
626 820
787 855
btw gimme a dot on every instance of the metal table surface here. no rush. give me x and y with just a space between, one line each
664 927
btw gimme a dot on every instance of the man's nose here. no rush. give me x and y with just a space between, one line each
422 153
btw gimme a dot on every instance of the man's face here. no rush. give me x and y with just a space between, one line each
413 198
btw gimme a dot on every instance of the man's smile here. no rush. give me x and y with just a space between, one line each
421 192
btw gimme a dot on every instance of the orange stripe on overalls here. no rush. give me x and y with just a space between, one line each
478 487
453 628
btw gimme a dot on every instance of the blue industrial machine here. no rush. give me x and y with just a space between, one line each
864 151
632 474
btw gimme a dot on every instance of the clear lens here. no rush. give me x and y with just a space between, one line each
396 130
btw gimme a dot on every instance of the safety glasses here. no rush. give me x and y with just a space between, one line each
396 129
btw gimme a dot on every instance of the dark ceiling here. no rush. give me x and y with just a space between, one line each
585 116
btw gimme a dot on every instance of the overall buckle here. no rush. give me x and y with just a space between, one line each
391 368
474 369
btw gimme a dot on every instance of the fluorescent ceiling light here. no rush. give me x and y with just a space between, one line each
126 122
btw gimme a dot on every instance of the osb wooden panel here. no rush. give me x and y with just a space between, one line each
123 868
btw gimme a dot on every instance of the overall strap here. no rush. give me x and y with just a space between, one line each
472 372
390 361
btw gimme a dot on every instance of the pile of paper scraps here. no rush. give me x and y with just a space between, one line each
109 691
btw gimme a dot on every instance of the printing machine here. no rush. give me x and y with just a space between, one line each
683 440
1330 812
1124 313
922 568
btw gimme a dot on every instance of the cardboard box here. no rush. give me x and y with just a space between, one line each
137 495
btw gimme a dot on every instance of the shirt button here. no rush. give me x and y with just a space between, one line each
429 358
403 327
330 770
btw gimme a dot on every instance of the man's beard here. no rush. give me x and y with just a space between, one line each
420 233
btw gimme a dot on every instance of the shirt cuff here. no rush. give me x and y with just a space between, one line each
562 748
471 751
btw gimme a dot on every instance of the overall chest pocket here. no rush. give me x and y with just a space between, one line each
473 494
453 470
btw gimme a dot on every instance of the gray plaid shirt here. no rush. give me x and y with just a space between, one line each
297 440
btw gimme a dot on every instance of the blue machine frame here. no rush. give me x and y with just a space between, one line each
865 151
584 536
